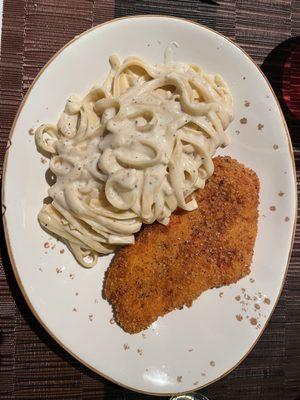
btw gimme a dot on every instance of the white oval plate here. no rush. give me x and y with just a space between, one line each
186 349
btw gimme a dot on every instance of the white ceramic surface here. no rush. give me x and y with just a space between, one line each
195 346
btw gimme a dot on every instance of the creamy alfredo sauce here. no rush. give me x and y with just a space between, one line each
131 152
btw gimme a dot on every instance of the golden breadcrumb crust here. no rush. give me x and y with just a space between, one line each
170 266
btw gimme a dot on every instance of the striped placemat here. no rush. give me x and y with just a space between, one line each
32 365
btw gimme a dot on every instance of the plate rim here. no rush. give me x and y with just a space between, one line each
5 228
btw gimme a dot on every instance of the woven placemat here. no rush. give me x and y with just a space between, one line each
32 365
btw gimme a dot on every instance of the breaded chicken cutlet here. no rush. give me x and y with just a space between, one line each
170 266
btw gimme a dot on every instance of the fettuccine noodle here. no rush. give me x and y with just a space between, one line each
131 152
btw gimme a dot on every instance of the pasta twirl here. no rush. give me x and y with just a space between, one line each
131 152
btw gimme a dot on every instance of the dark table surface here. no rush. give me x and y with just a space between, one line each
32 365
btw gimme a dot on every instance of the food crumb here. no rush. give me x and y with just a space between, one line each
275 146
203 374
43 160
126 346
286 219
189 350
61 251
76 294
260 127
221 294
140 352
281 193
143 336
243 121
75 309
253 321
267 300
247 103
91 317
252 280
40 269
72 276
212 363
244 78
256 306
59 270
112 321
179 379
238 298
237 132
239 317
96 301
272 208
46 245
196 383
31 131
